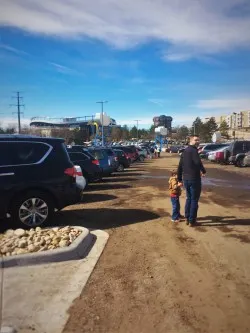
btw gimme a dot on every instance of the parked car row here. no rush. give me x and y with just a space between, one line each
39 175
236 153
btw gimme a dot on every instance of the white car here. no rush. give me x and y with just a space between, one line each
80 179
212 154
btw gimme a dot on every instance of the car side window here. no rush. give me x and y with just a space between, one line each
21 153
78 157
248 145
238 147
97 154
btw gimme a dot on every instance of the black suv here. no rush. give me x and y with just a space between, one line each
235 153
36 177
90 166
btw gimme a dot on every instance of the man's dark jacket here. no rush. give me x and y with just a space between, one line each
190 166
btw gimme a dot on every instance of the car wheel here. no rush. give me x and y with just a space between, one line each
240 162
120 168
141 158
32 209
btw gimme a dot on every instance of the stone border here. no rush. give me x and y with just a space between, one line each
77 250
6 329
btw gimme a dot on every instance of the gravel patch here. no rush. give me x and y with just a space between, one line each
20 241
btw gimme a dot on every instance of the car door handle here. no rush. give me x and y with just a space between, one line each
7 174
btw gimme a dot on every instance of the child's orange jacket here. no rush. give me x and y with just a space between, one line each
174 189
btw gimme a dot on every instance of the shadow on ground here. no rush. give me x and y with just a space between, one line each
96 197
217 221
125 174
103 218
106 187
117 180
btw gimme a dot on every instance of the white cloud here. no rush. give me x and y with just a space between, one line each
11 49
178 120
157 101
61 69
12 122
224 104
144 122
189 28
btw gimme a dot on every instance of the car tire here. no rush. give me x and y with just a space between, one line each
41 204
120 168
240 163
141 158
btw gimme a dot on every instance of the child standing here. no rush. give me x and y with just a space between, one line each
175 192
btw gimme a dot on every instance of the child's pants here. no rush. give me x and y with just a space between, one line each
176 208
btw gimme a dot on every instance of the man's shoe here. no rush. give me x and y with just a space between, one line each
175 221
187 222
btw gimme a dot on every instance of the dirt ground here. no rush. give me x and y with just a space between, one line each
156 276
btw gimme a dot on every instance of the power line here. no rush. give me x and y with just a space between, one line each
18 105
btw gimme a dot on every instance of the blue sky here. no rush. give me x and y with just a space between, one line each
147 58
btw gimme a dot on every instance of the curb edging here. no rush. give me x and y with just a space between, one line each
76 250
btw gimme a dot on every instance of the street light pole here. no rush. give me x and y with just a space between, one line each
102 102
137 122
235 114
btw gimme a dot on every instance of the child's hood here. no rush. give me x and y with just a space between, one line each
172 179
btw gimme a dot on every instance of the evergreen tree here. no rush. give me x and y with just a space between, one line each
196 128
125 132
133 132
224 129
182 133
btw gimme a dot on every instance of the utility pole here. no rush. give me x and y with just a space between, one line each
137 122
102 102
18 105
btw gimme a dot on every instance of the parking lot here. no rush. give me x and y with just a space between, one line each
154 276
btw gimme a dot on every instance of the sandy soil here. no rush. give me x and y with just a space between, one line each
155 276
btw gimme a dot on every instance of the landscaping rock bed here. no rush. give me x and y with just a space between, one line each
20 241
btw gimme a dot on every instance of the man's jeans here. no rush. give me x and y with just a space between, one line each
176 208
193 192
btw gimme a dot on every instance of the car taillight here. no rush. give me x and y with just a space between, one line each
127 156
96 162
116 158
72 172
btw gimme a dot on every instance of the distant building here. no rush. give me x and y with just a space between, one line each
235 120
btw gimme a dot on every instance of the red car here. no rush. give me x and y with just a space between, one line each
130 152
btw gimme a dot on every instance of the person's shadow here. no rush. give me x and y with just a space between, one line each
217 221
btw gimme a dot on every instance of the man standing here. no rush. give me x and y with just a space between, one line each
190 171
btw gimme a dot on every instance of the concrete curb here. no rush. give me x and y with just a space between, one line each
7 330
23 307
77 250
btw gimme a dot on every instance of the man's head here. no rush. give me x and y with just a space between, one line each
194 140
